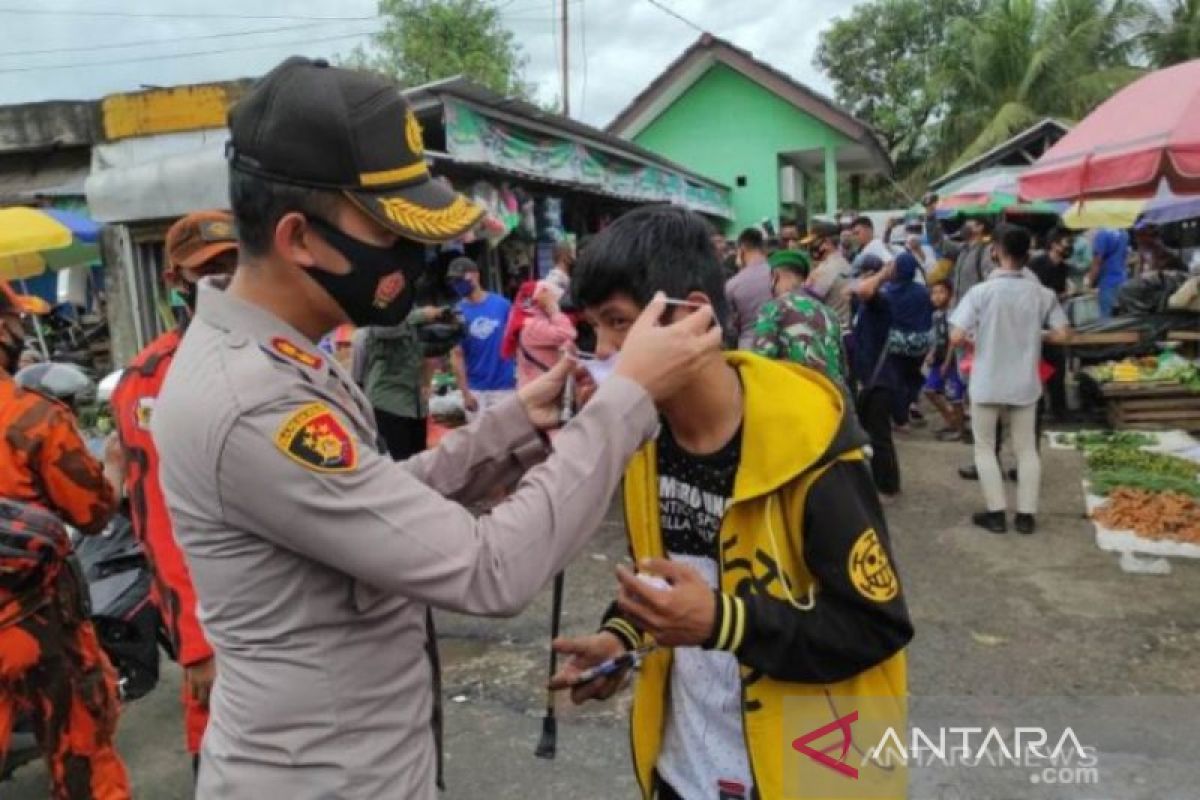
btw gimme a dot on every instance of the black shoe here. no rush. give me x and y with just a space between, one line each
1025 523
1011 475
991 521
968 473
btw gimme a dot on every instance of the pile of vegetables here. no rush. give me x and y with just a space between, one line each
1154 515
1155 494
1088 440
1167 366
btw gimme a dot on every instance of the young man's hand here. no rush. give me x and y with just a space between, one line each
665 358
587 652
470 403
681 616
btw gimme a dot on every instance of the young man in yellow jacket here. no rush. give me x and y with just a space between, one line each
756 508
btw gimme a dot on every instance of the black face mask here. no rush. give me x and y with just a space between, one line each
379 289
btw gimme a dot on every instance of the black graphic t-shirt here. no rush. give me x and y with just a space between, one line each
704 750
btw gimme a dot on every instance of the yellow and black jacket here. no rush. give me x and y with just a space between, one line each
809 601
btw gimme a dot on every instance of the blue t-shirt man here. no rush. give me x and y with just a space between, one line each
489 376
1110 251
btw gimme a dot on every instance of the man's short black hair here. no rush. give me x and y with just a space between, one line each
752 239
258 205
985 223
1014 241
652 249
864 222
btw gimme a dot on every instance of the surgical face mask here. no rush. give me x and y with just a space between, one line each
462 287
601 369
379 288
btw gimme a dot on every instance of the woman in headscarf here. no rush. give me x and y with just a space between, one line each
911 333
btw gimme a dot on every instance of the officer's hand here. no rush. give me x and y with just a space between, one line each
199 679
681 616
542 398
469 401
587 652
663 358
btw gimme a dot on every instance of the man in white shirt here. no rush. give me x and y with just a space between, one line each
1007 315
863 232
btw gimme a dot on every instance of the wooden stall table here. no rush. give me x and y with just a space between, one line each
1151 405
1190 340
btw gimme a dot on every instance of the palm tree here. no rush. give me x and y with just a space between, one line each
1172 34
1025 60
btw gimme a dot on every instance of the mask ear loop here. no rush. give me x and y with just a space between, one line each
810 601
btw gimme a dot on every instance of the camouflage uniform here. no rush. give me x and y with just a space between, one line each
803 330
51 664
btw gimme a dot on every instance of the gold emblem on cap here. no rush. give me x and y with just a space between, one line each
413 133
429 223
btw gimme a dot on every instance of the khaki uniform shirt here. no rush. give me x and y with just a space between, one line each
315 558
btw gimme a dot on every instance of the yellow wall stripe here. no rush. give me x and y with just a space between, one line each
185 108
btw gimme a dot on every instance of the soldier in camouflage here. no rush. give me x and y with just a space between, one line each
797 327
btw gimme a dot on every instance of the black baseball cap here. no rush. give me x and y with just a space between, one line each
461 266
309 124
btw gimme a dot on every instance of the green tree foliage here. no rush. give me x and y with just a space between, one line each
943 81
1024 60
880 59
428 40
1172 33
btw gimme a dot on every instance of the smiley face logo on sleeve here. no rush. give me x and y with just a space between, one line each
871 570
315 438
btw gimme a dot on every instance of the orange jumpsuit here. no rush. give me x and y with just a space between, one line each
51 664
133 405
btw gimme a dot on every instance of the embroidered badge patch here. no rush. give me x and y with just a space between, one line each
871 570
143 412
315 438
295 353
389 288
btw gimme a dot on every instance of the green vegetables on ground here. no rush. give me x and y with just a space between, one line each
1088 440
1103 482
1124 459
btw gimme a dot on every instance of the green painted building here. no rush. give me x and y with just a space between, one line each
726 115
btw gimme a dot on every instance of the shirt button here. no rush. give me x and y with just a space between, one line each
236 340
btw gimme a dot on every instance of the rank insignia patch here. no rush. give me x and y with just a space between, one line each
315 438
871 570
295 353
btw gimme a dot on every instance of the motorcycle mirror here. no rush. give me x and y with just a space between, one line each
105 390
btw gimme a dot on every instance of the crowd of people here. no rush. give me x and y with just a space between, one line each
301 527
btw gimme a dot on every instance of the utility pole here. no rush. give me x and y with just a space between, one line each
566 75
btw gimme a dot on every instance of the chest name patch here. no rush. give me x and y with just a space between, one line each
293 352
316 439
871 570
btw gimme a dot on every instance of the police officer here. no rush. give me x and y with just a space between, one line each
315 557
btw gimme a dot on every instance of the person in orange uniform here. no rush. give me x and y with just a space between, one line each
202 243
51 665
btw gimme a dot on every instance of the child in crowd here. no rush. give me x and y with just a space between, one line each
943 386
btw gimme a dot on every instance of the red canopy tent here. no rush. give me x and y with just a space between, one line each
1148 131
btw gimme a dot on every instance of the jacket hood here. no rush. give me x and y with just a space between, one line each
795 420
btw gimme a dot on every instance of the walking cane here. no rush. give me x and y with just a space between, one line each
548 745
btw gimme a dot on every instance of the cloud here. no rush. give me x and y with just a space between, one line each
628 43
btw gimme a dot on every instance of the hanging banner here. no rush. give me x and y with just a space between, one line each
473 137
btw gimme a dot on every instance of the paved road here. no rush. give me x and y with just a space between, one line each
1043 616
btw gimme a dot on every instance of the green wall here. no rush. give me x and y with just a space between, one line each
726 125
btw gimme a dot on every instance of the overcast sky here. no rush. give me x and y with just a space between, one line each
69 49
